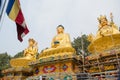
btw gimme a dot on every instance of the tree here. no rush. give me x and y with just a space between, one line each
4 62
19 54
80 44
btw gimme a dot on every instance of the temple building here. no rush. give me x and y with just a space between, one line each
61 62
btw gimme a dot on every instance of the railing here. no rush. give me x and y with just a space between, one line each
78 76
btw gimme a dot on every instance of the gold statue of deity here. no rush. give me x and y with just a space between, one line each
105 28
61 39
108 35
29 55
32 50
60 44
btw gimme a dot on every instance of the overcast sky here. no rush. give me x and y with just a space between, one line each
43 16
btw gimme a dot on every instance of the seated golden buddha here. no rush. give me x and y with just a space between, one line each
29 55
61 39
60 43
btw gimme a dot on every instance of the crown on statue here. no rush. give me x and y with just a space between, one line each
101 17
31 39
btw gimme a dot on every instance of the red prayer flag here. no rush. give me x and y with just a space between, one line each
14 12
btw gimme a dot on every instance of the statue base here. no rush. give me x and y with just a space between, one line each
56 51
104 43
20 62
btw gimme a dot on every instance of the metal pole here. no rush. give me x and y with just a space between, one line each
83 52
115 52
98 61
2 14
2 10
111 17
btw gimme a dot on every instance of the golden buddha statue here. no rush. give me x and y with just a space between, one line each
29 55
61 39
107 35
60 43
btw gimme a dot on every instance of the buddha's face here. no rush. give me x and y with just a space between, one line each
31 43
60 30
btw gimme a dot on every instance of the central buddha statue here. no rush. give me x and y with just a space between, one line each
60 43
61 39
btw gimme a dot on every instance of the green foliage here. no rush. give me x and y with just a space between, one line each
19 54
80 44
4 62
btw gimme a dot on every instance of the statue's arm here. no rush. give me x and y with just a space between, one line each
25 51
52 43
36 47
68 38
68 41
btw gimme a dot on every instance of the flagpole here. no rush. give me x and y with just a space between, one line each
2 10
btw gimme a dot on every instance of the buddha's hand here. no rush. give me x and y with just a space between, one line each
56 42
25 51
